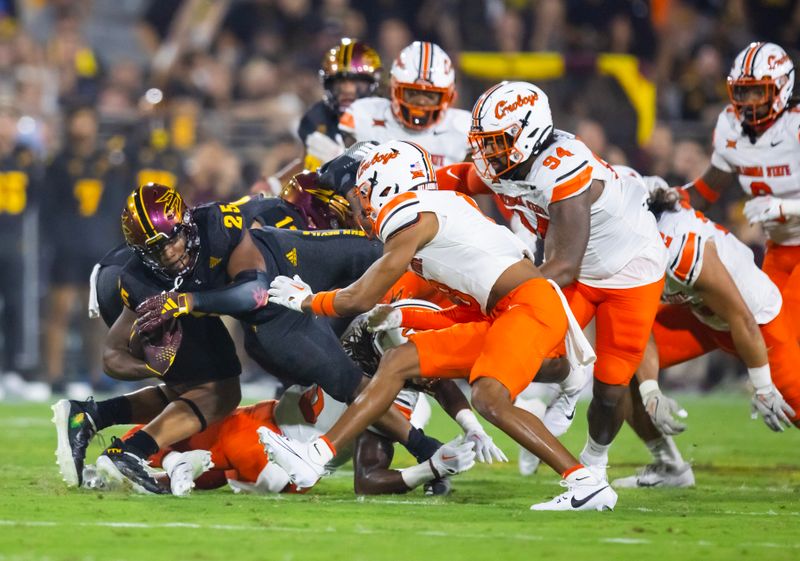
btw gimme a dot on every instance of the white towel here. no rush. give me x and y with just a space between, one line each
94 305
579 350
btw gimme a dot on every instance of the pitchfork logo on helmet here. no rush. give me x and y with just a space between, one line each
389 170
154 216
423 85
510 123
760 83
350 60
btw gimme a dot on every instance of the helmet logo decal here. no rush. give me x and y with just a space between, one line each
383 159
504 107
172 202
773 61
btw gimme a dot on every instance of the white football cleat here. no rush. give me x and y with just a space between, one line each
658 475
561 412
584 492
184 467
292 456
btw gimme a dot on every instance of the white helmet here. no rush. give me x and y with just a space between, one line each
422 70
510 123
391 169
760 83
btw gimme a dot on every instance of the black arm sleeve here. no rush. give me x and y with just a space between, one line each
247 293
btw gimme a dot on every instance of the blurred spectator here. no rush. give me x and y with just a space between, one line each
213 174
86 188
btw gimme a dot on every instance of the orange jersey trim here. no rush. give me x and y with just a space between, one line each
687 257
569 188
347 121
705 190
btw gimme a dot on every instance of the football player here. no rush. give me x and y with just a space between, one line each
716 298
757 143
446 239
422 93
601 245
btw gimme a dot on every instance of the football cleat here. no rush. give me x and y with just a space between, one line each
438 487
294 457
585 492
120 466
658 475
75 428
184 467
561 412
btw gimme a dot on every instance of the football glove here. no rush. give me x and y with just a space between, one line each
763 209
322 147
456 456
486 450
289 293
662 410
769 403
383 317
157 310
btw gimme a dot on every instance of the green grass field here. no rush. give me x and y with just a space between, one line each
746 506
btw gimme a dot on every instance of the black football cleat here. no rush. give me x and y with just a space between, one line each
75 428
119 465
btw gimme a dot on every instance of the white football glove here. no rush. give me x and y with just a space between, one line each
763 209
486 450
769 403
661 410
456 456
383 317
322 147
289 293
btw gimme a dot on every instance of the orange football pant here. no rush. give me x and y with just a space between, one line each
524 327
782 265
232 441
680 336
623 322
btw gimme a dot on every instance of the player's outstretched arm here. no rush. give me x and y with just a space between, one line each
363 294
718 291
706 189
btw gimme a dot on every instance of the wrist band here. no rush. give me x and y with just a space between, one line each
322 303
647 387
760 376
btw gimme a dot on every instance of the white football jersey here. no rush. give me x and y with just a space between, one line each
371 118
467 255
621 227
686 233
770 166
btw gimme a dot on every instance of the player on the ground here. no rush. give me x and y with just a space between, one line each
757 143
422 93
601 244
716 297
511 318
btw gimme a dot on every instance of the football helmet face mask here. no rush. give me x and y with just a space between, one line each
423 85
389 170
155 222
760 83
511 122
322 208
352 61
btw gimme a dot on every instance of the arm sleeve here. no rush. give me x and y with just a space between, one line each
247 292
462 177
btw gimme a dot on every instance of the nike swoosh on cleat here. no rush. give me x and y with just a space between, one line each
580 502
571 415
581 478
774 144
643 484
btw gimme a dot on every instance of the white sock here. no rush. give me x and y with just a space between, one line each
320 451
594 454
664 451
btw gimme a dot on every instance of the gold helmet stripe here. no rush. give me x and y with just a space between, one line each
144 218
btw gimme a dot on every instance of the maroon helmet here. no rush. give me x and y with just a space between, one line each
321 208
350 60
154 215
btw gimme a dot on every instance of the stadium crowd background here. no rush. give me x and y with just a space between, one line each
207 95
